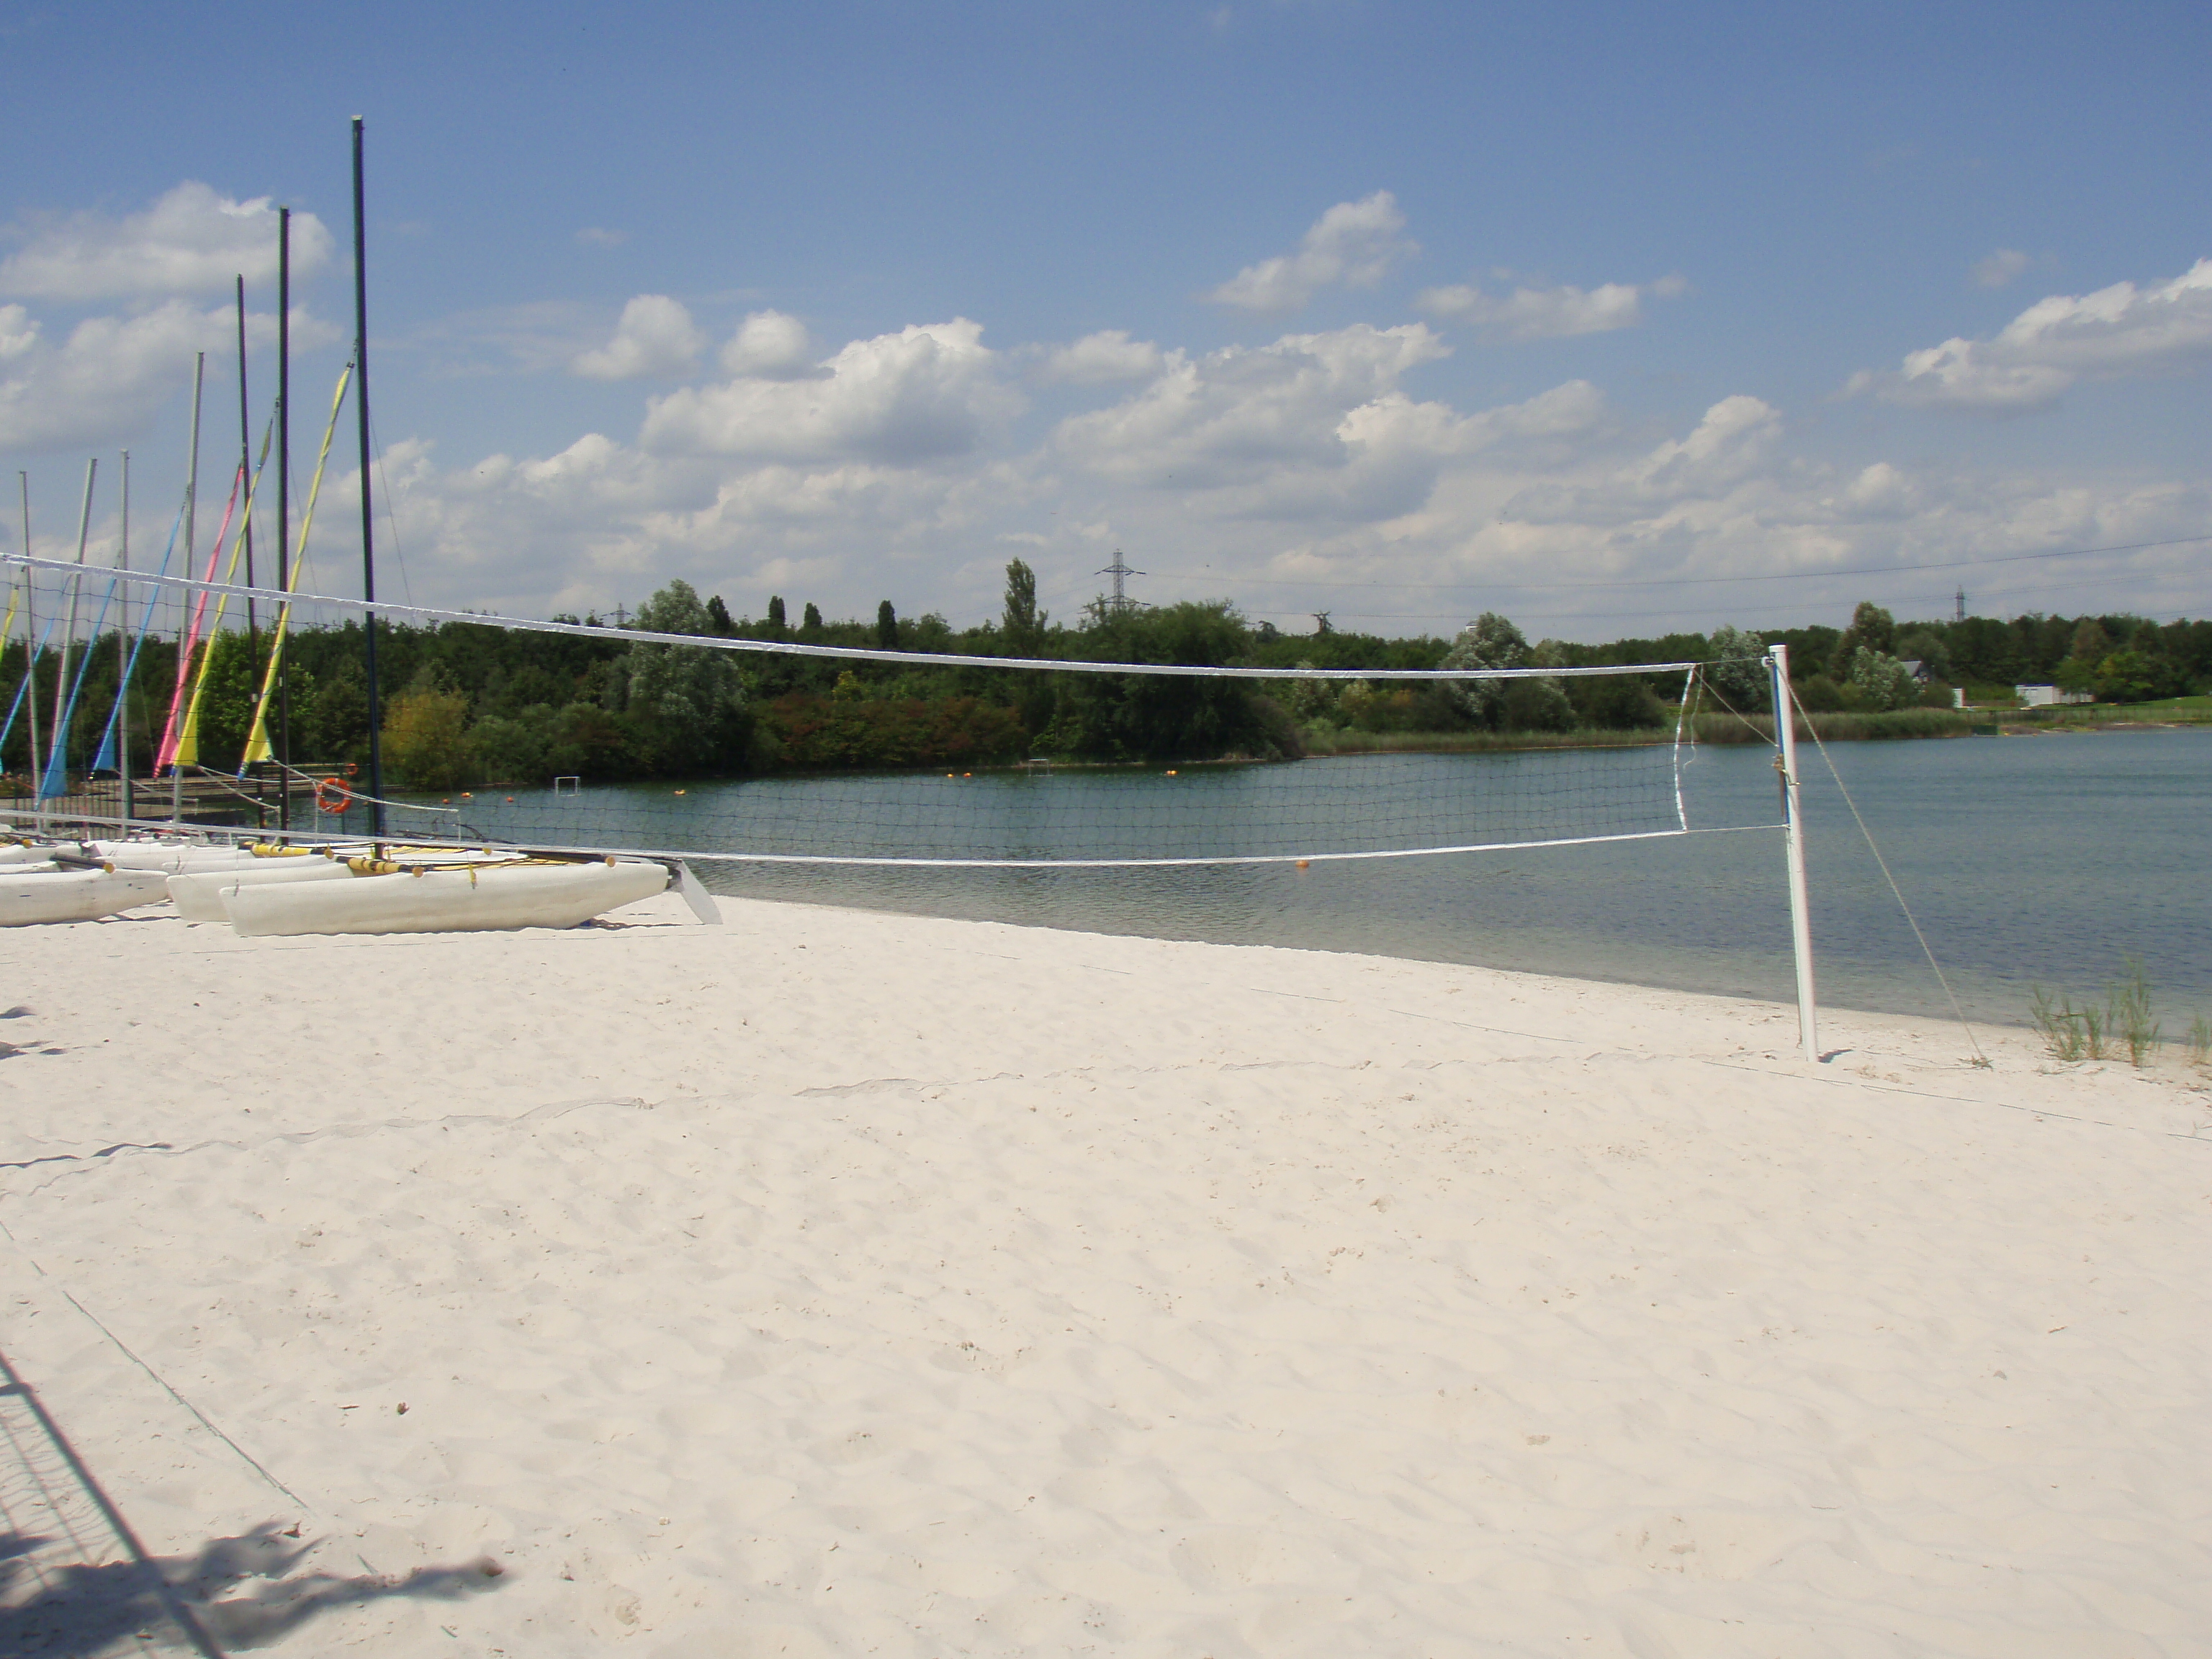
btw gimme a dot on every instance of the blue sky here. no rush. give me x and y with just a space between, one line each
1616 322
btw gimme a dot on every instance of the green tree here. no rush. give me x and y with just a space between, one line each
426 738
2091 643
1157 716
686 702
1022 624
1737 669
1872 628
886 627
226 703
810 622
1489 642
1882 680
336 728
718 617
2127 676
775 614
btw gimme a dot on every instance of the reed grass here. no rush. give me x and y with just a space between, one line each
1708 727
1841 728
2124 1023
2199 1041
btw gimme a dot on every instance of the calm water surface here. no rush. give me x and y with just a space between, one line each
2045 860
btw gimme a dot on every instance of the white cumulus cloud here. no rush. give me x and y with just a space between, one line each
1102 358
656 338
925 393
769 345
1546 313
19 332
108 377
1351 245
192 240
1243 412
2117 332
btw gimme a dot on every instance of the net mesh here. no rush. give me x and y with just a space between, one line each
1039 814
1354 806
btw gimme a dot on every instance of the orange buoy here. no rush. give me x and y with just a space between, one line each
1302 864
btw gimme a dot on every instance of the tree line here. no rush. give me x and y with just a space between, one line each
468 702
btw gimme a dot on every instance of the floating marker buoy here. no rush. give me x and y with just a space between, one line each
679 792
465 795
1171 771
967 774
510 800
1302 864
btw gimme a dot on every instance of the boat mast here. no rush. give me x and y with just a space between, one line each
246 461
57 772
30 647
185 607
123 656
367 516
284 503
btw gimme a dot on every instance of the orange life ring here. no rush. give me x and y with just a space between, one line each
333 796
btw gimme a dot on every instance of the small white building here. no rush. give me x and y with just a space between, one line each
2047 696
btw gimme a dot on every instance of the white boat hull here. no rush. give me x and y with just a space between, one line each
494 897
46 896
199 893
170 857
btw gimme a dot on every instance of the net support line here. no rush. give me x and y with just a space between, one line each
841 653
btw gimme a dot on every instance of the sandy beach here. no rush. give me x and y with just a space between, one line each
829 1283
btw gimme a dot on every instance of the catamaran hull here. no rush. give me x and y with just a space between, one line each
170 857
46 896
495 898
199 893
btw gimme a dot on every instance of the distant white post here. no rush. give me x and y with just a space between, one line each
1793 835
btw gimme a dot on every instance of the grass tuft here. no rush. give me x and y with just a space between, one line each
2124 1023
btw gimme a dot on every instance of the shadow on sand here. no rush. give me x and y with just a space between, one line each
192 1603
77 1583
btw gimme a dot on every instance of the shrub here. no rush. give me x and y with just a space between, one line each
426 740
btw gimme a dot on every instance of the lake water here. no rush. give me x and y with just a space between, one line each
2028 860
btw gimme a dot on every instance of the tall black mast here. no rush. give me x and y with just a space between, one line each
367 516
284 503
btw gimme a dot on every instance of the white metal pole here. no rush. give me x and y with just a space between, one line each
1801 908
35 770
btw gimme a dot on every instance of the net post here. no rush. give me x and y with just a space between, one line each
1793 835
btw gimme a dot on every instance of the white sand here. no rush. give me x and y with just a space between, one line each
840 1284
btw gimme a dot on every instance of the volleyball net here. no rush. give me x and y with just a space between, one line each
1210 787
